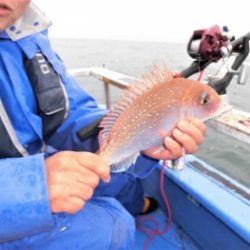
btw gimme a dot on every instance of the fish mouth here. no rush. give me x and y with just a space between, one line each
222 110
224 107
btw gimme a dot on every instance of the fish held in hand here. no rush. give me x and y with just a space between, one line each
149 111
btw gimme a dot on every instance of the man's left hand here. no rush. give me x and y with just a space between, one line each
187 136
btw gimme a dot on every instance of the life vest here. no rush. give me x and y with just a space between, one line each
51 103
49 91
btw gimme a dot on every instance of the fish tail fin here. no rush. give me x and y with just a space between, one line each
123 164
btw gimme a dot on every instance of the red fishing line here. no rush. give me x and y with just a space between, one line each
156 231
200 75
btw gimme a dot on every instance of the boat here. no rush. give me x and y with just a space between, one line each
209 210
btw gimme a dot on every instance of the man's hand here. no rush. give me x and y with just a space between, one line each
187 135
72 178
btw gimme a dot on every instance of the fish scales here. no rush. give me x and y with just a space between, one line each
148 112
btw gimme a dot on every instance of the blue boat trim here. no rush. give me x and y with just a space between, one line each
232 210
215 216
221 179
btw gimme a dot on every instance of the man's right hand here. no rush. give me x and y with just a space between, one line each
72 178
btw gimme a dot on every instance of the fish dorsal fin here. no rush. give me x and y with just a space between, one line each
155 77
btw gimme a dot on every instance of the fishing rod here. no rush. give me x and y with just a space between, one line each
213 44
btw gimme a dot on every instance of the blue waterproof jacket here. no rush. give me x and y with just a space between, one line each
26 221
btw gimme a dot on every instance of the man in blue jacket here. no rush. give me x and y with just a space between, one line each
55 192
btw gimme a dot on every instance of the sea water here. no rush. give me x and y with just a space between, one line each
135 58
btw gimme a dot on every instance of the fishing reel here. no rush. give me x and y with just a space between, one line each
207 44
210 46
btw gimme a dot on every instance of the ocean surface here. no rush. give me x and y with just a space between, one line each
135 58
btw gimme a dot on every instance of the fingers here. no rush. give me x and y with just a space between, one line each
190 134
70 205
70 189
94 163
173 147
86 177
72 178
171 150
199 124
187 136
80 161
186 141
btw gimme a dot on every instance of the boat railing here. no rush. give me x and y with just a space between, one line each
108 78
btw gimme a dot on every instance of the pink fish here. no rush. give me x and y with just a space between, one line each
148 111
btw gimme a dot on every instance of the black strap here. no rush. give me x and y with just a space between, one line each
48 90
7 148
90 130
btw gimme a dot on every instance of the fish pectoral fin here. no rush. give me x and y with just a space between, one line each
123 164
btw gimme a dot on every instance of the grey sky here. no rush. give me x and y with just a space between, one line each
157 20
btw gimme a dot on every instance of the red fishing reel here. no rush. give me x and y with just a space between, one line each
207 44
210 45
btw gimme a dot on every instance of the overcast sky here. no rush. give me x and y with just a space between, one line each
154 20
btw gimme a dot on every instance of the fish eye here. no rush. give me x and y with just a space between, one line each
204 98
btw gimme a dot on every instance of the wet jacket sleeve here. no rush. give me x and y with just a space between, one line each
24 205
